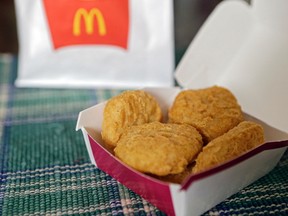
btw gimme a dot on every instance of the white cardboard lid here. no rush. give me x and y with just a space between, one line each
244 48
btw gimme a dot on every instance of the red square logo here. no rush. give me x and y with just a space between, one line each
80 22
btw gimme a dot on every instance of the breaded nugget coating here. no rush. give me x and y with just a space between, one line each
159 148
176 178
213 111
245 136
133 107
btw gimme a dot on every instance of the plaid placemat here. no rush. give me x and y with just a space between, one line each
45 168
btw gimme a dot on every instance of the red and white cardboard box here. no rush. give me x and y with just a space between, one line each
240 47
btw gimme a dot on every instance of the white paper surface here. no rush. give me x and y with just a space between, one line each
202 195
148 60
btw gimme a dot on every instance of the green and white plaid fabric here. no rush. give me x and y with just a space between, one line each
45 168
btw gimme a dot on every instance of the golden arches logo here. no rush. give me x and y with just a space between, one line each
89 17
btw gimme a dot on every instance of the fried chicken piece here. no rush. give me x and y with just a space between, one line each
213 111
159 148
247 135
176 178
129 108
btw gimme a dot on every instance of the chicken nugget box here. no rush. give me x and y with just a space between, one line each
242 47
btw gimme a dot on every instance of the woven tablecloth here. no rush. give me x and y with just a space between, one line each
45 168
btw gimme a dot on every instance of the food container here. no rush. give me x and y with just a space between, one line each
226 52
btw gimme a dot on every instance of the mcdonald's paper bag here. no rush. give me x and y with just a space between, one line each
95 43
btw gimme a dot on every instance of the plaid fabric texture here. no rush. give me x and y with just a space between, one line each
45 168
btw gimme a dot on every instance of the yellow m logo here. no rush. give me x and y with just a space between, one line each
89 21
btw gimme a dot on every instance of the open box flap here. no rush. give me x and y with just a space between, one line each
244 48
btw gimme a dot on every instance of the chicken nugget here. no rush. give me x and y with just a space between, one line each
176 178
158 148
133 107
213 111
245 136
